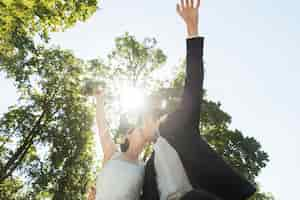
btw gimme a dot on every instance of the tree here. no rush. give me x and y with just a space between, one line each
9 189
262 196
22 20
31 142
47 136
135 60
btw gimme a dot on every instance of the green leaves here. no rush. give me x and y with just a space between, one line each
20 21
47 137
135 60
9 189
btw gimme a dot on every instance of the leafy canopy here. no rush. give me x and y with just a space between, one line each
21 20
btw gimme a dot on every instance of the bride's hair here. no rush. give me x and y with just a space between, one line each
124 146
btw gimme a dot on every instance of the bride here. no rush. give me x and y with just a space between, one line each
122 174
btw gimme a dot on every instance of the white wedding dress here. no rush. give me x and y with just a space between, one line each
120 179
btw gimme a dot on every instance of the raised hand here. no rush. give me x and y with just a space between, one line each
92 193
189 11
99 93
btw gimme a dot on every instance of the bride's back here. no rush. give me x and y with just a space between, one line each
120 179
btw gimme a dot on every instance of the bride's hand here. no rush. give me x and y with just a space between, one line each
99 93
92 193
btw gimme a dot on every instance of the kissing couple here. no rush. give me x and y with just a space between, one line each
182 166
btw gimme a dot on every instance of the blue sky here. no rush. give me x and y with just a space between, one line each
252 66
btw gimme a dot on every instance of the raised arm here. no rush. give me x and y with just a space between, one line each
193 89
188 113
107 144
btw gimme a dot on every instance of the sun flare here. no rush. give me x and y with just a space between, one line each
132 99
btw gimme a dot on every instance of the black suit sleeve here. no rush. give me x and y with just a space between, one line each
188 113
193 89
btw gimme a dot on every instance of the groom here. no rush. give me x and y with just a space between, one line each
210 177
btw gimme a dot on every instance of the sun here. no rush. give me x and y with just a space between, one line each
132 99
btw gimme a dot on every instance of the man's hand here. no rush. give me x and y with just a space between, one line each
188 10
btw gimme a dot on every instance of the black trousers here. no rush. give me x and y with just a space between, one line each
199 195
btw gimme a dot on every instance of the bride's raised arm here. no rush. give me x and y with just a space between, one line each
107 143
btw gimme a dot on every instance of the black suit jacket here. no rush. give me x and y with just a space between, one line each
205 168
